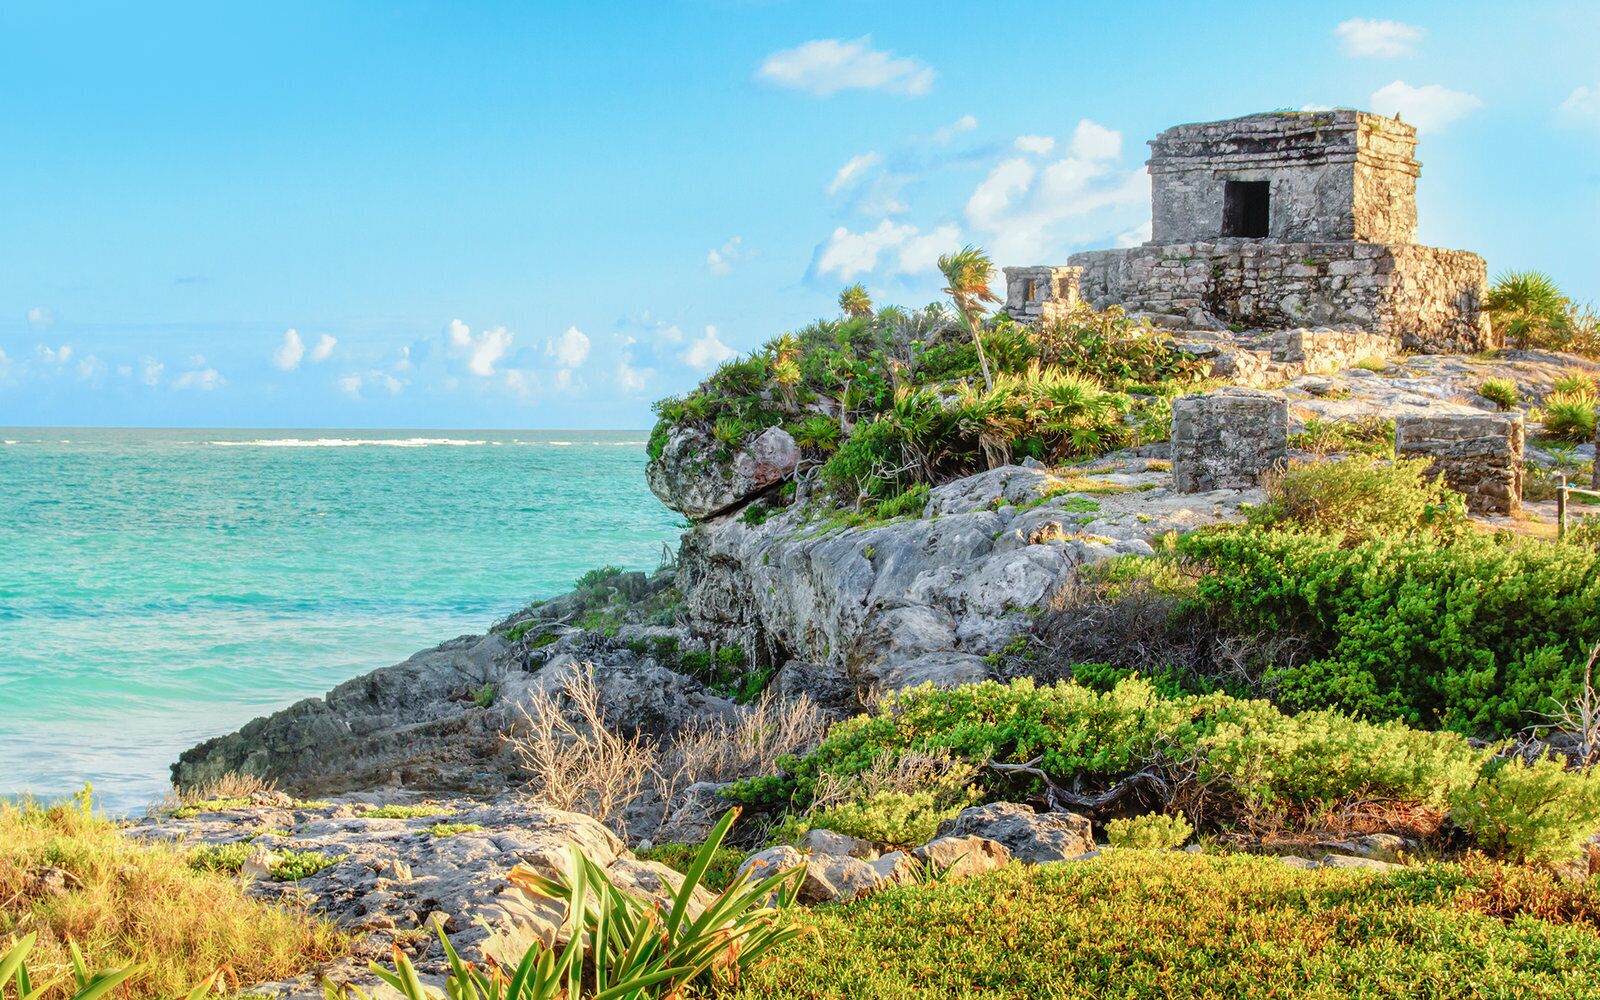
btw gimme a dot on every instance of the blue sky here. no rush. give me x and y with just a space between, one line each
520 215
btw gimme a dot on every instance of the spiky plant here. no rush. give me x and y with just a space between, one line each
1527 309
855 301
967 273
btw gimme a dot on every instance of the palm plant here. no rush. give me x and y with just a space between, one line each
786 367
1527 309
855 301
967 273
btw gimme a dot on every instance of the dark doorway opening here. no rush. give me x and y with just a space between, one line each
1246 208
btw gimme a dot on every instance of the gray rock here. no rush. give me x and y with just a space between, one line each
1295 861
828 878
1031 836
1363 864
828 842
692 813
963 856
895 868
689 478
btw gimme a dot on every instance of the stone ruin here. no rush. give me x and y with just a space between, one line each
1275 221
1226 440
1480 455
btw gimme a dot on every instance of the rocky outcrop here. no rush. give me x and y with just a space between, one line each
1030 836
690 477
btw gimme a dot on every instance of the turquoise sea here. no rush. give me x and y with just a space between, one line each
158 587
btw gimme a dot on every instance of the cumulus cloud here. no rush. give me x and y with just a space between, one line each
1038 144
150 371
41 318
720 260
849 174
900 246
54 355
826 66
1430 108
631 379
201 379
1582 106
353 384
287 356
1024 210
707 351
1366 37
481 350
91 369
570 349
324 348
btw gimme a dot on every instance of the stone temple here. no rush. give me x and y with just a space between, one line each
1278 221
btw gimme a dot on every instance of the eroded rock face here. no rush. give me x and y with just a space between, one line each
690 478
1030 836
963 856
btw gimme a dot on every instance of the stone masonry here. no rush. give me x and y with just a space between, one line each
1480 455
1282 220
1041 294
1227 439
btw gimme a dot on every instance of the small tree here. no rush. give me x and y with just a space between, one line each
966 274
1527 309
855 301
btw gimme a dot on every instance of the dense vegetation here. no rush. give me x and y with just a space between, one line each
1528 310
1135 924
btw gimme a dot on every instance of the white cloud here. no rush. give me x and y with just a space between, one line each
852 170
720 260
54 355
41 318
350 385
324 348
994 195
631 379
1360 36
353 384
1430 108
523 383
826 66
707 351
903 248
287 356
481 351
202 379
403 363
150 371
1093 141
1582 106
570 349
1039 144
943 135
91 369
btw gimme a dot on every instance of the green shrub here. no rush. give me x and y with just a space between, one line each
1527 309
1226 757
910 503
1477 635
451 829
1580 383
418 811
484 696
1539 812
1570 416
1361 497
1150 832
1500 391
719 874
292 866
1371 435
227 859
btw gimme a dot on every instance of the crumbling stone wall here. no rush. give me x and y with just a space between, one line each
1430 299
1041 294
1333 176
1480 455
1227 439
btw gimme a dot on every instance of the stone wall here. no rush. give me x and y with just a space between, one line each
1431 299
1333 176
1226 440
1041 294
1480 455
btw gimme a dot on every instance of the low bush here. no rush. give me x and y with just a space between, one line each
1531 812
418 811
1502 392
1570 416
1133 926
1360 498
1370 435
1150 832
1479 635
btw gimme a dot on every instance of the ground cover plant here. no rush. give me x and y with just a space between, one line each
1136 924
67 874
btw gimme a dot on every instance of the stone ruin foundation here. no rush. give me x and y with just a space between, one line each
1228 439
1480 455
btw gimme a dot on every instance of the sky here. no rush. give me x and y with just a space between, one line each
456 215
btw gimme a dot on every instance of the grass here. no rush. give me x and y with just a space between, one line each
724 863
133 903
418 811
451 829
1140 924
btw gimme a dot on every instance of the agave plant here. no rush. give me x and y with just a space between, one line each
618 947
89 986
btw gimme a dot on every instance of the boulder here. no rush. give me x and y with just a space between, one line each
689 478
828 878
963 856
896 868
692 813
1031 836
827 842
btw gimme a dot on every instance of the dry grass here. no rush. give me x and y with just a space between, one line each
127 903
576 761
573 759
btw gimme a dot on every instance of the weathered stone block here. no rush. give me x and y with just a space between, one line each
1227 439
1041 294
1479 454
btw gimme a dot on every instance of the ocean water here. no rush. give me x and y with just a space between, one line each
158 587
